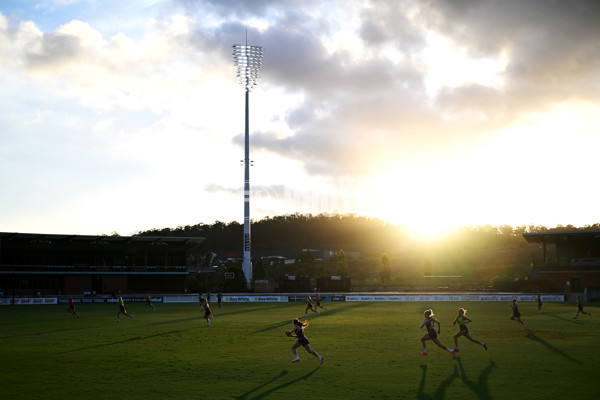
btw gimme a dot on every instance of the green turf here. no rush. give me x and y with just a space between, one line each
371 351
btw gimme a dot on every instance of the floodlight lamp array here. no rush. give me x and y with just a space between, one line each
248 60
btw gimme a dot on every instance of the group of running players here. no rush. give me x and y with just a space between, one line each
309 305
149 305
429 324
122 309
297 330
462 320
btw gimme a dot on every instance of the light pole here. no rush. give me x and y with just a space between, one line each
248 60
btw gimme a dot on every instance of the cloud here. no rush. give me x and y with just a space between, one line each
355 111
391 23
217 188
358 106
552 46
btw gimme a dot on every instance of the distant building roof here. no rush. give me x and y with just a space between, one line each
41 238
554 237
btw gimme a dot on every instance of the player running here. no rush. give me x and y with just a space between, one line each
122 310
71 308
431 334
463 320
298 332
580 308
539 302
318 300
149 303
309 306
207 312
516 315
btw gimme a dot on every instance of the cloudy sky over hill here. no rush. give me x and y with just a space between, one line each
126 116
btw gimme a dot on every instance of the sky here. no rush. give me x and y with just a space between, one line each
432 114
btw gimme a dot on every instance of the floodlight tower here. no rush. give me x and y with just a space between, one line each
248 60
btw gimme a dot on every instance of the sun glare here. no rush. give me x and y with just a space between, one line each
496 181
417 201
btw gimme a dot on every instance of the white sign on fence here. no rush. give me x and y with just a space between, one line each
33 300
254 299
455 297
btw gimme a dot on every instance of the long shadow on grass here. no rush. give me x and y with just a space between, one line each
440 391
346 307
122 341
200 315
176 321
570 320
245 395
39 333
324 313
217 311
480 388
276 388
532 336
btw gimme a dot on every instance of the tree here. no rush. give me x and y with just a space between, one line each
385 272
305 257
238 283
362 274
259 271
342 265
193 284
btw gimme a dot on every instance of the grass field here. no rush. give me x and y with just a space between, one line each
371 351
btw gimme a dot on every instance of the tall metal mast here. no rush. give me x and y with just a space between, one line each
248 60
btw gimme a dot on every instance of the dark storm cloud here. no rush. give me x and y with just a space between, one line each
357 109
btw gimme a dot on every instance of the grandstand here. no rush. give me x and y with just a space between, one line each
571 262
52 264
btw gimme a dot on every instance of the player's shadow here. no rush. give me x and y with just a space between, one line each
245 395
532 336
175 321
441 389
328 312
274 326
38 333
480 388
570 320
122 341
340 308
276 388
201 313
228 312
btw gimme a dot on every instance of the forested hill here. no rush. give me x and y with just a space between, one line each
294 232
349 232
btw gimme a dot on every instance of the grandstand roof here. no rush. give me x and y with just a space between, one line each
97 239
554 237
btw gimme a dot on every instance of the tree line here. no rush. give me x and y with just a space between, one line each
348 232
388 253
